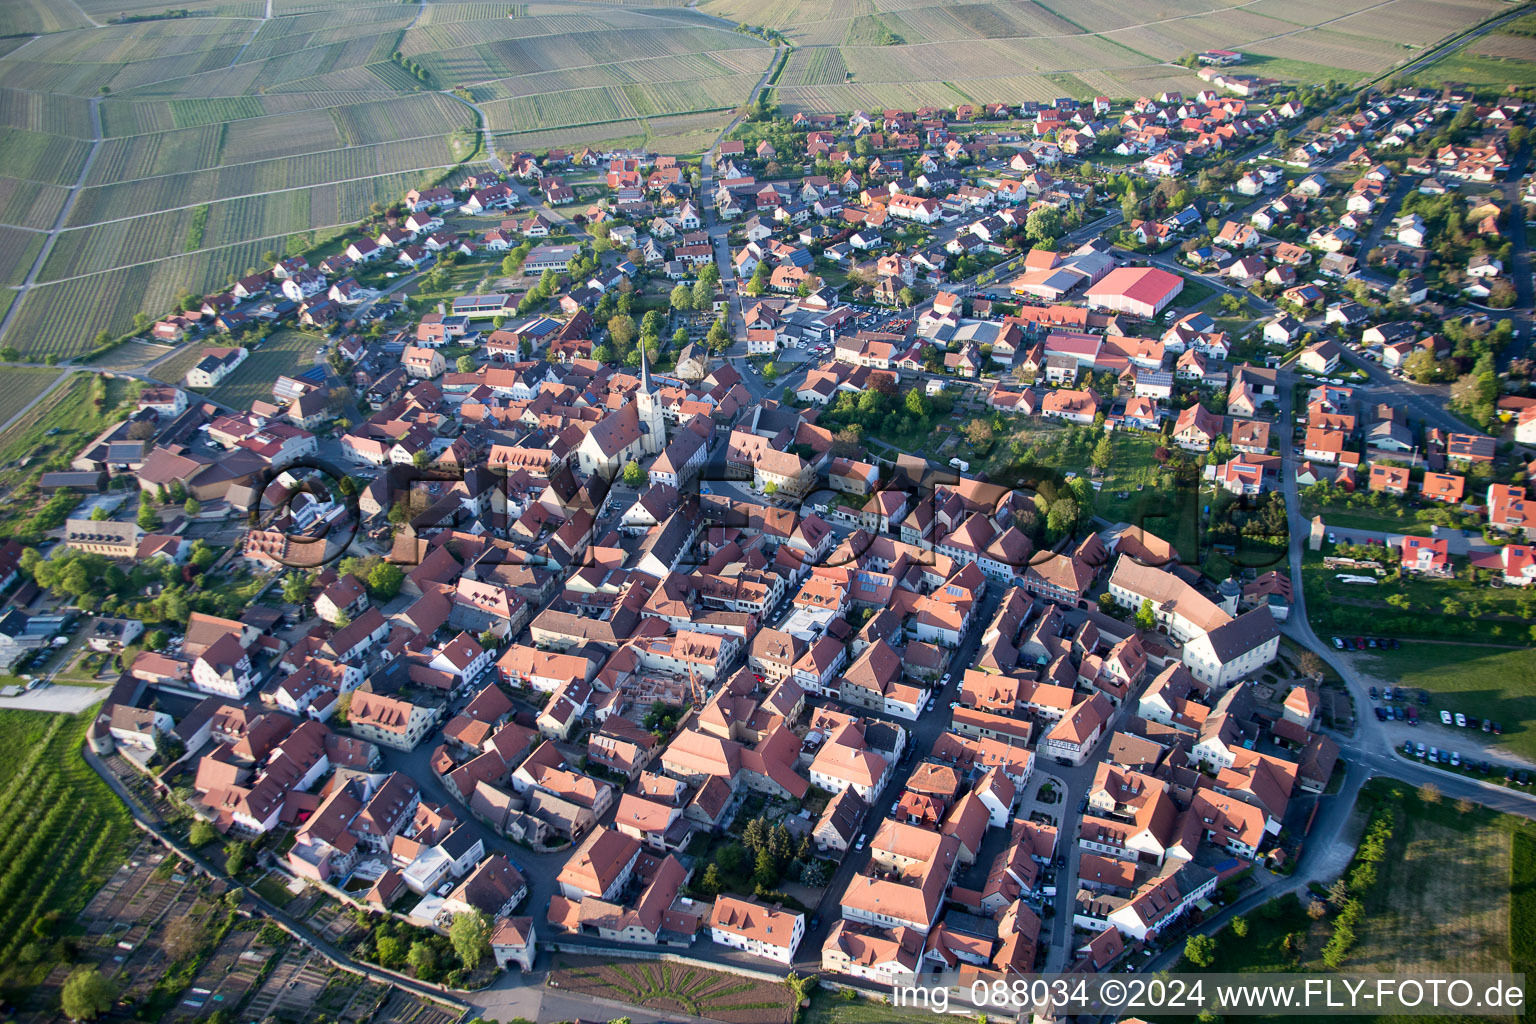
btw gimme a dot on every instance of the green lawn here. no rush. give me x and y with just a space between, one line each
1368 519
1488 682
1151 500
1454 894
1296 70
1477 71
1195 293
284 351
828 1007
1415 607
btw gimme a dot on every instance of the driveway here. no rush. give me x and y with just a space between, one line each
58 698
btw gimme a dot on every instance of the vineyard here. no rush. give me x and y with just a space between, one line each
313 169
62 831
62 318
17 251
30 204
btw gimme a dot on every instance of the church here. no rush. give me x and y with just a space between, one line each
635 431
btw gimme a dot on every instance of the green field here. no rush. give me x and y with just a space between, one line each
1149 502
1452 894
1478 71
247 125
283 352
62 832
1416 607
1484 681
22 384
60 425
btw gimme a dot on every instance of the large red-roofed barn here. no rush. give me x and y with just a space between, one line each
1140 291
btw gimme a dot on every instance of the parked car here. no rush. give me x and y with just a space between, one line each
1461 720
1413 715
1455 759
859 843
1523 777
1381 714
1419 750
1487 725
1445 717
1373 693
1434 755
1509 774
1338 645
1498 730
1399 714
1408 748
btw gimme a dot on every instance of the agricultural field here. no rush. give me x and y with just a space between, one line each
56 428
900 52
64 831
22 384
1498 58
184 147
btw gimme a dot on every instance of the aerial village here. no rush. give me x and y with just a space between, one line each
602 606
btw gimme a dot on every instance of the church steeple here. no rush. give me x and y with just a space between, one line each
648 407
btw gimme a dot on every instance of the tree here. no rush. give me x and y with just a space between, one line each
1316 910
1309 663
391 951
423 961
759 282
148 518
634 476
703 292
465 364
191 507
296 588
681 298
770 488
385 580
87 995
1061 516
908 296
1145 619
1200 950
1429 793
470 934
711 885
1102 453
184 937
1043 225
239 854
201 834
1240 927
99 514
621 331
979 432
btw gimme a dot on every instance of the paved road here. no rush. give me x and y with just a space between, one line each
920 740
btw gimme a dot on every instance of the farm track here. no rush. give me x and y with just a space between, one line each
58 224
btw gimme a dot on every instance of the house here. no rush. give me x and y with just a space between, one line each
1197 428
214 366
768 932
1427 556
1320 358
